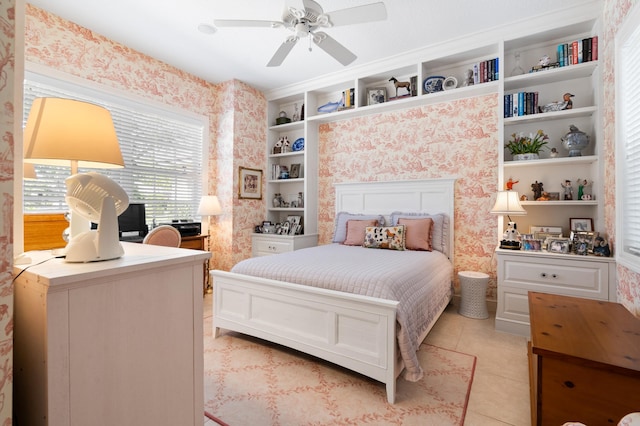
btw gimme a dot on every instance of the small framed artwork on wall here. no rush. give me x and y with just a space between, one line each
250 183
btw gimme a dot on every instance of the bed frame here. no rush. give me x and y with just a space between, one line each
353 331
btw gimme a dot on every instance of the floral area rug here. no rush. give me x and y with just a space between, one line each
252 382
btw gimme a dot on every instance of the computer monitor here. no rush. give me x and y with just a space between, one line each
133 220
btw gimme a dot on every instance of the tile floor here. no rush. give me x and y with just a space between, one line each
500 390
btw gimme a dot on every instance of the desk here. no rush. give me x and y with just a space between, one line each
195 242
584 360
110 343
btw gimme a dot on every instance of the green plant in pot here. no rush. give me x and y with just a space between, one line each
524 147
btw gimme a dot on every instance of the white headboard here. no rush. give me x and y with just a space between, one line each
426 195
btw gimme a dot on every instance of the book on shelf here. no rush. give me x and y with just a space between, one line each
576 52
520 104
486 71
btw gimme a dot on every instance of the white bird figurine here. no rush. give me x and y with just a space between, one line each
566 103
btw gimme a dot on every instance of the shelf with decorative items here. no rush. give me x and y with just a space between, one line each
290 176
547 93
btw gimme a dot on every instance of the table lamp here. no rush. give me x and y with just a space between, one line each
209 206
508 204
63 132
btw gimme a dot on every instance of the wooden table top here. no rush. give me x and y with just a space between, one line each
592 332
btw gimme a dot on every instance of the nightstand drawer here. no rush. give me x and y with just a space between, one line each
269 246
579 278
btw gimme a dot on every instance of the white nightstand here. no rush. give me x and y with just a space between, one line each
268 244
519 272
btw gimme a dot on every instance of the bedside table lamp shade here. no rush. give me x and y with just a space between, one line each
508 203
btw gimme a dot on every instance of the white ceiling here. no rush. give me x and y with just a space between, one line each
167 30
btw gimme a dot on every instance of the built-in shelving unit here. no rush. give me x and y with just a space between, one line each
531 39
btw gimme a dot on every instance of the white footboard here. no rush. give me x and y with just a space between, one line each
355 332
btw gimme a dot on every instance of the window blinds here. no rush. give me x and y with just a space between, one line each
628 140
162 152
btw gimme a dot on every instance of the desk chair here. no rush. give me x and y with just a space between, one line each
163 235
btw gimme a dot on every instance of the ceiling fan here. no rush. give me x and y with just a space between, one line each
304 17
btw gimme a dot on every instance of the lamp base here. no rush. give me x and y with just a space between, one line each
510 245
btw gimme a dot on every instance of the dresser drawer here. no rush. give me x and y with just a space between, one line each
579 278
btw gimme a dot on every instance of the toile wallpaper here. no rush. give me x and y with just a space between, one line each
420 142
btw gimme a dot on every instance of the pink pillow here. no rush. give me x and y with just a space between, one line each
356 230
418 233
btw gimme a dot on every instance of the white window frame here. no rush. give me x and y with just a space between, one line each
61 80
627 93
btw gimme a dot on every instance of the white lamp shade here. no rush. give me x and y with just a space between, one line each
60 131
508 203
209 206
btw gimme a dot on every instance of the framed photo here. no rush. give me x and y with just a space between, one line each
531 244
295 224
554 196
549 229
294 173
583 241
250 183
376 95
559 245
581 224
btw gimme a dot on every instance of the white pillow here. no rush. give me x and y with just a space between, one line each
440 235
340 229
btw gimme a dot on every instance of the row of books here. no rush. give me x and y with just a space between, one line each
521 103
578 51
349 97
575 52
486 71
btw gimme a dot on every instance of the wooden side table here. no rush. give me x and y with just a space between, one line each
196 242
584 360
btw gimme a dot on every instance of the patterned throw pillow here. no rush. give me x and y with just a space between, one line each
385 237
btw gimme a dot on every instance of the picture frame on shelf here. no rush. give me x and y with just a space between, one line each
531 244
583 241
376 95
294 172
558 245
550 229
250 183
581 224
554 196
295 224
545 237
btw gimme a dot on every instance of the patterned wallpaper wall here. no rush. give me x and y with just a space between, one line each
614 13
423 142
7 119
450 139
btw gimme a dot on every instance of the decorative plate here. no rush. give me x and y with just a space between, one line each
433 84
298 145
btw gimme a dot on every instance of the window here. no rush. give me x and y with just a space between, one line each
628 141
163 153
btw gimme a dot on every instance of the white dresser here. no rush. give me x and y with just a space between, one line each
110 343
519 272
268 244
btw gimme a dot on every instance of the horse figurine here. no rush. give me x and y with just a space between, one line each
398 84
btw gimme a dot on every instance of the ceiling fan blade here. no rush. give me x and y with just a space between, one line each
359 14
333 48
282 52
239 23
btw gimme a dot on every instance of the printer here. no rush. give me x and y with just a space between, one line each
186 229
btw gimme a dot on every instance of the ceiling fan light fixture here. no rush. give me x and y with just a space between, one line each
301 29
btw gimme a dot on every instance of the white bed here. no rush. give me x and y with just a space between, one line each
355 331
